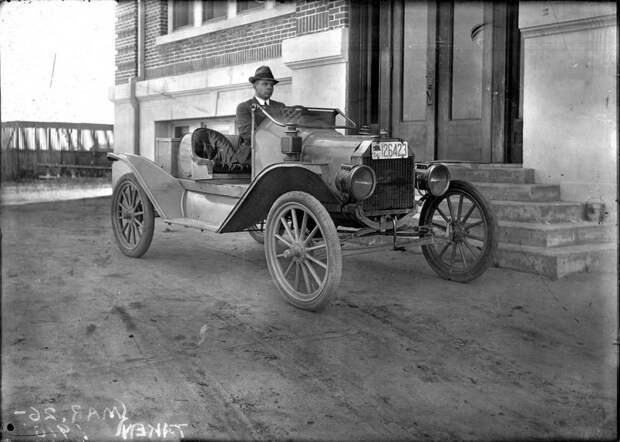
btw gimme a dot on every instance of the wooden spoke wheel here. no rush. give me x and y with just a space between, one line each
464 228
133 219
258 232
303 250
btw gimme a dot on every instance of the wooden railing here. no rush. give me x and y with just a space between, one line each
30 148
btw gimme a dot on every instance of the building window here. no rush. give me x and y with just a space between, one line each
191 18
180 131
214 9
182 14
244 5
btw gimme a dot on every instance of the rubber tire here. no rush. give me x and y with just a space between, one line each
259 237
456 187
334 253
148 218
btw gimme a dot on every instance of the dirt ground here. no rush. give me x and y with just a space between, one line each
193 341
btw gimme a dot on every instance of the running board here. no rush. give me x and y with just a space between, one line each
193 223
381 243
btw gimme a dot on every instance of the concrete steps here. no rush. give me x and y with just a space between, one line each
537 231
556 262
513 175
538 212
520 192
554 235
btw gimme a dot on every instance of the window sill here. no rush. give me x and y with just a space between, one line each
244 18
182 28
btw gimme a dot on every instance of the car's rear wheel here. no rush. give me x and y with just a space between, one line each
303 250
257 231
463 225
133 218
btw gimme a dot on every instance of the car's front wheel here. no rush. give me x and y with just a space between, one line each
463 227
133 218
303 250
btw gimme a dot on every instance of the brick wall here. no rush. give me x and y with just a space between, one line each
321 15
126 43
243 44
338 14
156 24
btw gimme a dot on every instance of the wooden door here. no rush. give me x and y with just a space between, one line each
464 81
440 65
407 77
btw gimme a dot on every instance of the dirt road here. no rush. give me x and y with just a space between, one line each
106 347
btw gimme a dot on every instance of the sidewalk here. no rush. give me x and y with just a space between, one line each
47 191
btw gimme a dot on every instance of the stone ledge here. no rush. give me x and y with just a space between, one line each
316 49
568 26
555 235
556 262
540 212
225 78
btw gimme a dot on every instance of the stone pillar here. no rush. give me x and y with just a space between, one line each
569 97
319 64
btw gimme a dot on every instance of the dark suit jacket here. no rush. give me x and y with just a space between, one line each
244 118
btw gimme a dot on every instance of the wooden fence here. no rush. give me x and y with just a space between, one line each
30 148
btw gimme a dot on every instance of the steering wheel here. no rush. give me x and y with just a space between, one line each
293 114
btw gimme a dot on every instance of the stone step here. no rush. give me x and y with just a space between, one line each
471 165
537 232
556 262
492 174
554 235
519 192
538 212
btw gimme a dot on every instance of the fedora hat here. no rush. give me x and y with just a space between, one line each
263 73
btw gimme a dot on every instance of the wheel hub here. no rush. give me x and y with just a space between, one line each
450 231
297 251
455 231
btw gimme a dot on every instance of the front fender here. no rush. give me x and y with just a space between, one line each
272 182
164 190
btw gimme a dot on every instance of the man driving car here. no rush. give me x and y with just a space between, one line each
263 83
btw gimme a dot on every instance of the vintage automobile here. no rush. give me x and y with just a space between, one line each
318 185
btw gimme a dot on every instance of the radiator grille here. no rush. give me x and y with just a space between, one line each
395 184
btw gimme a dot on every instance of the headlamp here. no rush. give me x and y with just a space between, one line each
435 178
358 181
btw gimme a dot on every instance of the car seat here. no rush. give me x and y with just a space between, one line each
221 149
190 164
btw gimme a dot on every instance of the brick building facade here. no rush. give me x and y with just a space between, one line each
182 65
506 89
251 42
531 83
126 45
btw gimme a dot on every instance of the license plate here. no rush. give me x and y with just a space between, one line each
386 150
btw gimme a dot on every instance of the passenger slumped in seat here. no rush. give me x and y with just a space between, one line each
212 145
263 83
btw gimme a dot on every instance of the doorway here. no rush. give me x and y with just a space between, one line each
447 77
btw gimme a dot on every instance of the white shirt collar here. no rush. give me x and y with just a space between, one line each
261 101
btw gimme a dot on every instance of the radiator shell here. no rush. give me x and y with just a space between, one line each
395 184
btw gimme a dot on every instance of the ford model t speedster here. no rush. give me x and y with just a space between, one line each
316 186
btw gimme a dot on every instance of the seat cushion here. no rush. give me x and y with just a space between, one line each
234 140
222 149
209 144
184 160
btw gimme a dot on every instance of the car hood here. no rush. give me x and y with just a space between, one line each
329 147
